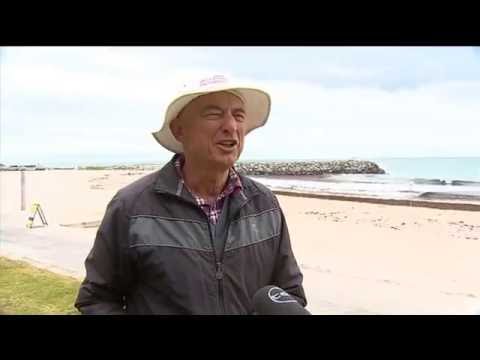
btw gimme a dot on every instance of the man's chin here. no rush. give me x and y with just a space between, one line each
226 161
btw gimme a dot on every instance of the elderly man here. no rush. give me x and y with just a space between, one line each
195 237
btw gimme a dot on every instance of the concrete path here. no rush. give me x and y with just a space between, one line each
54 247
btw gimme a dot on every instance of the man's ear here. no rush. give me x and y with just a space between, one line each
177 129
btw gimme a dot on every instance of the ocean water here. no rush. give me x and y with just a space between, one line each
459 168
405 178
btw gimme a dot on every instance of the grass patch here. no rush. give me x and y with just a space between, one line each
27 290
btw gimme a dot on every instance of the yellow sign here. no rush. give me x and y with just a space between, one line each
36 209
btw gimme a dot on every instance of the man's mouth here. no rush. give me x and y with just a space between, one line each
228 144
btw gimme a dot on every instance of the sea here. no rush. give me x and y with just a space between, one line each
429 178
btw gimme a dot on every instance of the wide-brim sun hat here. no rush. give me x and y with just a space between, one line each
257 106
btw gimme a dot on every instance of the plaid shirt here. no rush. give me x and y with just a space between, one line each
212 210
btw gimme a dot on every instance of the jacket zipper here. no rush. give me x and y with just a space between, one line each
219 277
218 269
218 262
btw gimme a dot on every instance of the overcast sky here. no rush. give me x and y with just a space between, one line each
100 104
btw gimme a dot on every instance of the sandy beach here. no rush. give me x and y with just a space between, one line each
357 258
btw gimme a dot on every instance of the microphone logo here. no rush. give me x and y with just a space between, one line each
280 296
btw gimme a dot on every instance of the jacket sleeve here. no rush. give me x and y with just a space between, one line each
287 274
107 271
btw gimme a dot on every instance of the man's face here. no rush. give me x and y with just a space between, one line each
211 129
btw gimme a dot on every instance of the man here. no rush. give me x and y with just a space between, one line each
195 237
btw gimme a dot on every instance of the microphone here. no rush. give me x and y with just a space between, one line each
272 300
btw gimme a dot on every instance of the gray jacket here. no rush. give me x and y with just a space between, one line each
154 252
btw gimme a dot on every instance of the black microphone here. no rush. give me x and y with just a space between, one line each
272 300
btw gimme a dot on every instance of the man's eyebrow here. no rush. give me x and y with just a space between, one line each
239 109
210 108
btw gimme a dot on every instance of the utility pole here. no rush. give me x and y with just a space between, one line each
22 190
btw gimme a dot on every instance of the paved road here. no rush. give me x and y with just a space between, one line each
57 248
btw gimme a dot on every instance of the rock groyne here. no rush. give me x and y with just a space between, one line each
299 168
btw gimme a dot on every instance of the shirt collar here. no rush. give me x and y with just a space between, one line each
233 185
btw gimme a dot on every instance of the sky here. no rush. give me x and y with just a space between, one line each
99 105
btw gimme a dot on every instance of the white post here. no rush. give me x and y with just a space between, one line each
22 186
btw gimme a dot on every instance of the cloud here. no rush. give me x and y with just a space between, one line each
312 121
67 102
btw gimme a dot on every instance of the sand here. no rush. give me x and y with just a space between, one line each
357 258
386 259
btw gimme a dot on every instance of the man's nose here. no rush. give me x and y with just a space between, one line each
230 124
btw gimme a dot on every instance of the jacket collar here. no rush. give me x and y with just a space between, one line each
168 182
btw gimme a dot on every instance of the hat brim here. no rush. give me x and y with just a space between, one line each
257 109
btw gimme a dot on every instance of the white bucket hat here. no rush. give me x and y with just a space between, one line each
257 106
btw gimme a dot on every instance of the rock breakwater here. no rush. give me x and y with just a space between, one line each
299 168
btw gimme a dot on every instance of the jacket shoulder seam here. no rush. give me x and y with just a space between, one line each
125 194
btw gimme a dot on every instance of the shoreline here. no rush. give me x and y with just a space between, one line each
444 205
429 199
373 189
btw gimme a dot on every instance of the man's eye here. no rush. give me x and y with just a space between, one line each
240 117
213 115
